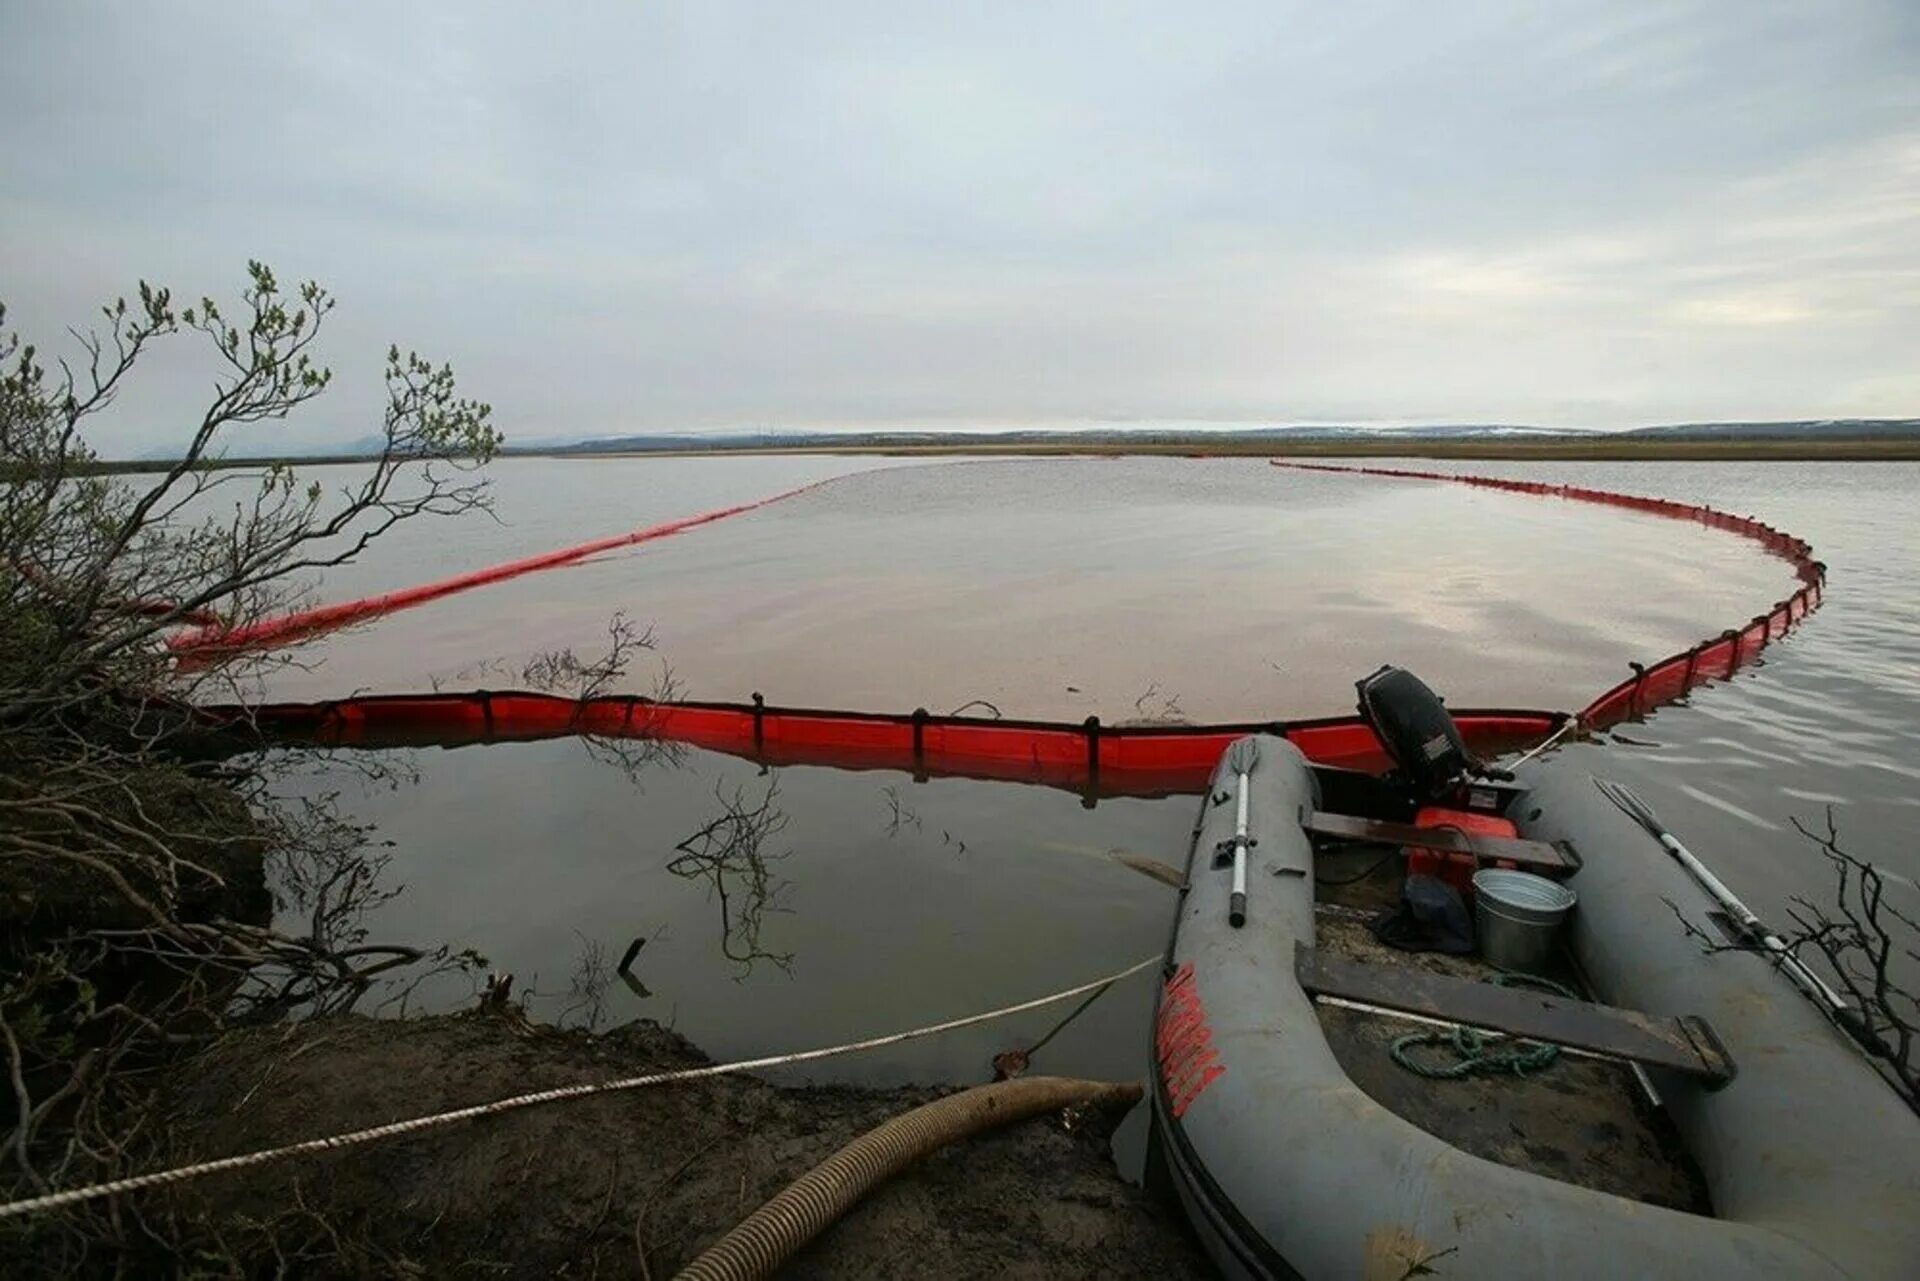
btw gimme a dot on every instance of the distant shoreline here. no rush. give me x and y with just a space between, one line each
1602 449
1556 450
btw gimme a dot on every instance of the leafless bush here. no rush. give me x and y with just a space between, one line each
1159 707
564 671
635 748
1865 940
1863 936
134 910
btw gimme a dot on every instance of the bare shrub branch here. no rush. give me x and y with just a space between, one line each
1862 938
136 918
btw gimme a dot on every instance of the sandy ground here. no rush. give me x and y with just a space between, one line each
634 1184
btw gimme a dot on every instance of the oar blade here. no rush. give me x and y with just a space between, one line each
1623 796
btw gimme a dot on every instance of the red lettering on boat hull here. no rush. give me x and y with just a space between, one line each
1189 1062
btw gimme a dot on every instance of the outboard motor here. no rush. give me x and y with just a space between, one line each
1429 756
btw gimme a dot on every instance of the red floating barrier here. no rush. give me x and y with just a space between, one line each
325 618
1086 757
1671 678
1134 760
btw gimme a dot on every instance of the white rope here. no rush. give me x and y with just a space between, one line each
334 1142
1566 727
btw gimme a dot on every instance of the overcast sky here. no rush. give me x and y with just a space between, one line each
631 217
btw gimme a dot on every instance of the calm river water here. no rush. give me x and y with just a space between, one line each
1150 588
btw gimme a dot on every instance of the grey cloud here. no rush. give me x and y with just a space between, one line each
618 217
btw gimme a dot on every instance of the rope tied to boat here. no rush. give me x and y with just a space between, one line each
1477 1053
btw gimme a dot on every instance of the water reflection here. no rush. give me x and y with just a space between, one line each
585 1004
331 884
754 910
731 853
898 815
529 851
1221 590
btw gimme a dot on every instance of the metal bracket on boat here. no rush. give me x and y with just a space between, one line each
1223 850
1731 930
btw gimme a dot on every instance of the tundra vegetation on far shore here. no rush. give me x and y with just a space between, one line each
1597 447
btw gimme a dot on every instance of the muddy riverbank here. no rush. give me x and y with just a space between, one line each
629 1184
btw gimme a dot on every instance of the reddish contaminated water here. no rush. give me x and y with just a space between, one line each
1140 588
1059 588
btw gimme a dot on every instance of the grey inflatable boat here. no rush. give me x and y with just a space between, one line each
1707 1120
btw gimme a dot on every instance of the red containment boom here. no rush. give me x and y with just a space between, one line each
1087 757
1715 658
326 618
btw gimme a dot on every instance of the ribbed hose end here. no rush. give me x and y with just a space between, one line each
804 1208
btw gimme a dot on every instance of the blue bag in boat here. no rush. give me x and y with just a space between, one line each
1431 917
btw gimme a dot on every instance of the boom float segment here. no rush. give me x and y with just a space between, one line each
1715 658
1085 757
326 618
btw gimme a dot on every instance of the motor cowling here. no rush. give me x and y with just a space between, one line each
1429 756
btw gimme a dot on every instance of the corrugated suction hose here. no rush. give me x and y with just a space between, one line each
804 1208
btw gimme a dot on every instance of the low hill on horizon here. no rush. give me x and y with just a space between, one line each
1830 429
1899 434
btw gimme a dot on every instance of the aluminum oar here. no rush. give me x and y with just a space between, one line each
1241 758
1751 928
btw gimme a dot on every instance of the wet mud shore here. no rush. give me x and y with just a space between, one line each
629 1184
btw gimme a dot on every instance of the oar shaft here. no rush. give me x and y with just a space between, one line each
1796 970
1836 1007
1237 902
1809 982
1712 884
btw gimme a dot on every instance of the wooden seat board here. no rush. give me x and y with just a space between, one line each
1683 1043
1547 859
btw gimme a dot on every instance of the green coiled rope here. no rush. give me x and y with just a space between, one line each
1478 1053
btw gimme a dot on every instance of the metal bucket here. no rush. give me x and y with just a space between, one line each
1517 916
